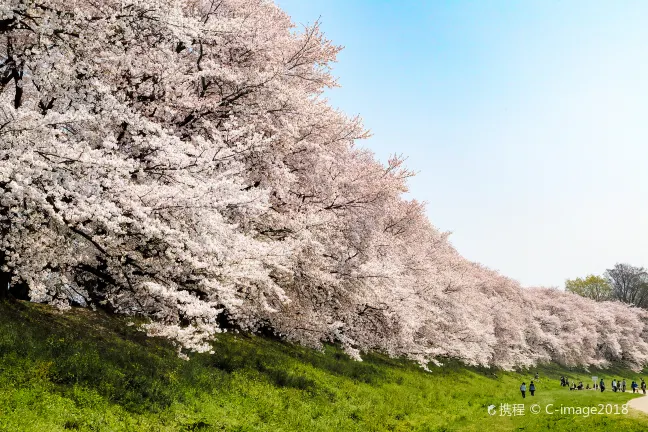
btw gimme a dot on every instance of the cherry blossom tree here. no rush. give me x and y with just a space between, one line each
176 159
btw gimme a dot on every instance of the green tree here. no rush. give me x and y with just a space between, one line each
594 287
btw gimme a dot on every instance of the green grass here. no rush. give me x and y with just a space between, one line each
87 371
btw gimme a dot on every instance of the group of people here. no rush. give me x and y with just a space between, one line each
635 386
523 389
564 382
620 386
617 385
532 387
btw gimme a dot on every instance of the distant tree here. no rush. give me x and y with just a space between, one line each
629 284
594 287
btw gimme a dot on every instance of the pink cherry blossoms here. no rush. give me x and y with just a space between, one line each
175 159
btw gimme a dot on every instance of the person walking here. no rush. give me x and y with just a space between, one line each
643 386
623 385
602 385
532 388
523 390
537 376
614 385
634 386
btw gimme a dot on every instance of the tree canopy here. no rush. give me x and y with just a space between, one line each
629 284
595 287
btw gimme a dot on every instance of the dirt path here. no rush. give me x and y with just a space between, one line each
640 403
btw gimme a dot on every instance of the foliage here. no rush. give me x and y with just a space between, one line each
629 284
595 287
89 371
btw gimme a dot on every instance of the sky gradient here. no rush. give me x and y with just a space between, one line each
527 121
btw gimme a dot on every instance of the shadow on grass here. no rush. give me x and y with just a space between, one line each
101 352
97 351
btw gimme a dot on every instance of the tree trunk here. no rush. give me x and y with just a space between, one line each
5 278
8 290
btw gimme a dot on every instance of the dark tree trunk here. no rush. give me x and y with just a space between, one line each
20 291
5 278
8 290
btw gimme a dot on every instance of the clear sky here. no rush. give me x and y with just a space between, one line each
526 120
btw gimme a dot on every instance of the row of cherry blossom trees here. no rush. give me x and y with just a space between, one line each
176 159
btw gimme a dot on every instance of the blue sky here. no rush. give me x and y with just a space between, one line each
526 120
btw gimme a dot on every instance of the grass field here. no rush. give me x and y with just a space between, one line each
87 371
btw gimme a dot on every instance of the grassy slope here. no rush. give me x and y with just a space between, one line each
87 371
